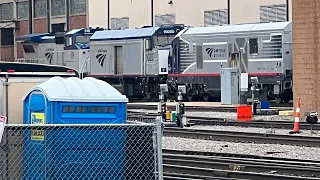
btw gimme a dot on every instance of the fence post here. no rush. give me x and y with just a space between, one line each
159 147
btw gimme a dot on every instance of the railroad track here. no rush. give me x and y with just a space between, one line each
272 103
207 165
193 120
201 108
247 137
187 108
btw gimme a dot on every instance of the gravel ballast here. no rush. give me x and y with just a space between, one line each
274 150
225 115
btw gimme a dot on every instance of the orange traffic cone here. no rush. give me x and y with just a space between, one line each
296 127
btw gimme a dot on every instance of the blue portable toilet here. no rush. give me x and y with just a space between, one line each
66 153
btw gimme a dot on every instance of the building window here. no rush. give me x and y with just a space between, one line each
23 10
120 23
273 13
7 37
58 7
6 11
216 17
253 43
89 109
162 19
78 7
57 27
40 8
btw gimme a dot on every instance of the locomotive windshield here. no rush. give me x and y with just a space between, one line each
79 39
83 39
163 40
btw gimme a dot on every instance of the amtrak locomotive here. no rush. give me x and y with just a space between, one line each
137 61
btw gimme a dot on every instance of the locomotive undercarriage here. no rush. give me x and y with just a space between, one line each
208 89
142 88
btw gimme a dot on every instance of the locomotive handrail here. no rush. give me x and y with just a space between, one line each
31 60
85 64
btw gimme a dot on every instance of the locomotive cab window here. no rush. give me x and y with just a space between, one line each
28 48
253 44
68 41
148 44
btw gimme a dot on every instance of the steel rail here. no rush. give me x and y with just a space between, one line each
255 123
199 108
193 120
176 176
233 155
238 162
187 108
227 173
233 136
244 165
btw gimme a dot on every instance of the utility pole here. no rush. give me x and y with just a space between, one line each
151 6
228 5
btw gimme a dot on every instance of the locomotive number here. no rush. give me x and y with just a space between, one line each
168 31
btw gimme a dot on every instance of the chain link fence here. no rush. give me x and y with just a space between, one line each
118 151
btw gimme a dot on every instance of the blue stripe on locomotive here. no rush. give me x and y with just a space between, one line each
60 155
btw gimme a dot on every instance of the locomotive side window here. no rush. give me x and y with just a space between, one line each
148 44
28 48
68 41
253 43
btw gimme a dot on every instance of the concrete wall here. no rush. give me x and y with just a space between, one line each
306 49
188 12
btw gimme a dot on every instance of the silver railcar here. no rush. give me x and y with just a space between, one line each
266 53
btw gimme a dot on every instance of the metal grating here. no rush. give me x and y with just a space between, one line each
161 19
78 7
6 11
22 10
120 23
58 7
40 8
273 13
272 49
215 17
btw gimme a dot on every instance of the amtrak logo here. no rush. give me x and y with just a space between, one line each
210 51
49 56
101 58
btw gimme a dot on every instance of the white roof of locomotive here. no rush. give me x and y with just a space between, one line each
241 28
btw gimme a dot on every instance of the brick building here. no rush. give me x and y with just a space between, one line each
16 19
136 13
306 49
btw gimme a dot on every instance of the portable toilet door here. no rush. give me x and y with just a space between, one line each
36 111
